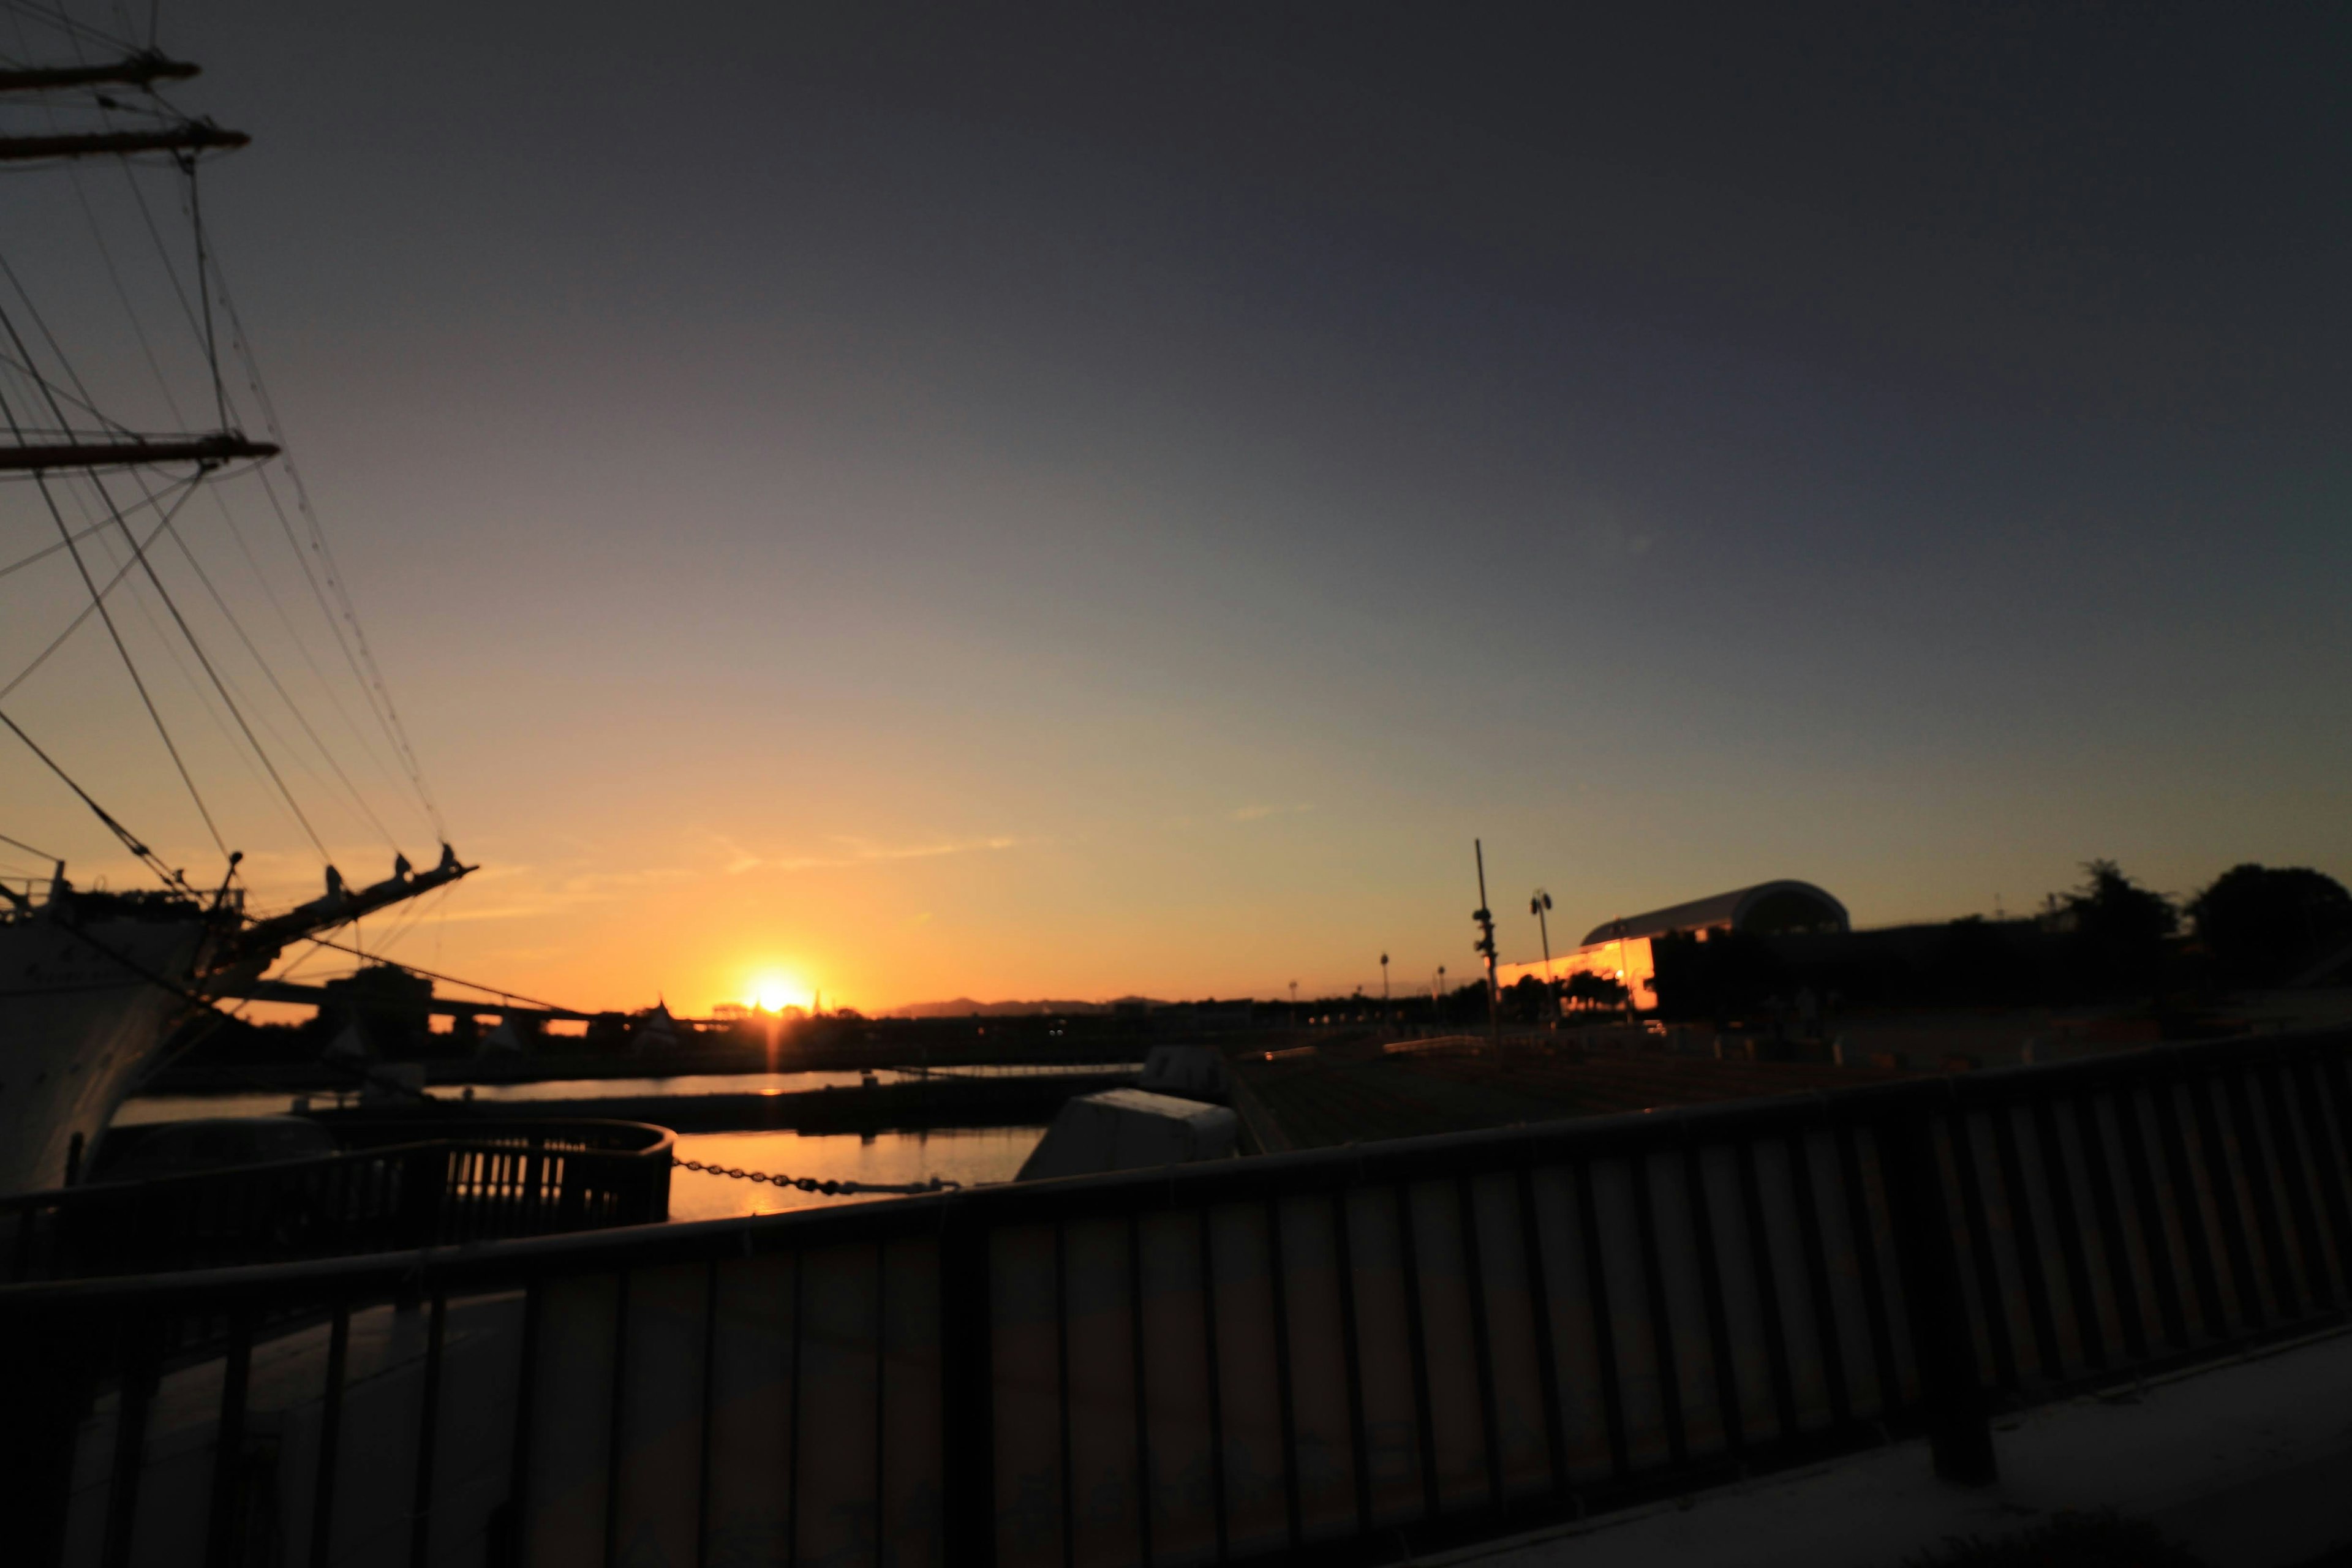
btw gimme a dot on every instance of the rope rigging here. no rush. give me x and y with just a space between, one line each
204 302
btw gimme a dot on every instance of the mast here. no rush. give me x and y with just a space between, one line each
142 69
192 136
203 451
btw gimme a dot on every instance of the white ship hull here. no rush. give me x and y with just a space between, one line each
78 1022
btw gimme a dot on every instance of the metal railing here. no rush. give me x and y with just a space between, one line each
398 1187
1332 1356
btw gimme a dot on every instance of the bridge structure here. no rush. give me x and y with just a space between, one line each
1332 1356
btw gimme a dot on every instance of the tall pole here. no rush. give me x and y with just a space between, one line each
1486 946
1384 981
1538 906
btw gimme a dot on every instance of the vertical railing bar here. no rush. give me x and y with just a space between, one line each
2039 1305
1817 1275
2163 1275
2227 1206
226 1520
1662 1326
1358 1439
1142 1406
1062 1393
1482 1342
616 1411
428 1420
1768 1291
792 1413
2112 1239
1995 1299
709 1413
134 1391
1216 1388
1425 1422
2182 1179
1540 1307
2280 1266
881 1390
2295 1176
2328 1162
1865 1256
1951 1393
330 1425
2060 1181
1285 1405
1604 1325
1710 1286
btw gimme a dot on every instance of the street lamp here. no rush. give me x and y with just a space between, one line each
1539 906
1384 983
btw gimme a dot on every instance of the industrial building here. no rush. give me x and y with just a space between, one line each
1620 949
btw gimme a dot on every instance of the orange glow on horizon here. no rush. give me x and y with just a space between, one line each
773 992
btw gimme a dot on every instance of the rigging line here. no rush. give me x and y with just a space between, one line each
406 748
170 605
129 312
378 700
28 849
139 558
302 646
396 731
87 610
147 857
404 760
299 717
115 634
203 294
445 979
162 251
270 674
188 633
47 551
32 376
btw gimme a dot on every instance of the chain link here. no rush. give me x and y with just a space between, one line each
812 1185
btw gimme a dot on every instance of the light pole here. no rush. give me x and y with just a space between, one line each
1486 946
1539 906
1437 999
1384 984
1294 1003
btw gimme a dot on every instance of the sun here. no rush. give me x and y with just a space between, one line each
773 993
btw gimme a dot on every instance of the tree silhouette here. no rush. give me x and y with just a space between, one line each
2261 923
2121 926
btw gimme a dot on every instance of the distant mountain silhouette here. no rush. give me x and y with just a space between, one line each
965 1008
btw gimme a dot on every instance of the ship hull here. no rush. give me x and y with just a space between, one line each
84 1008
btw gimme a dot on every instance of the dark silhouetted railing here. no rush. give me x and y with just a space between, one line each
398 1187
1340 1355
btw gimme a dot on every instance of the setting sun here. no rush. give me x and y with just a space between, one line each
774 993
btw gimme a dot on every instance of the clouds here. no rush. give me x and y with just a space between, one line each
1260 813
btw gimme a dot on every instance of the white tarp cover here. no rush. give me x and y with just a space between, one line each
1129 1130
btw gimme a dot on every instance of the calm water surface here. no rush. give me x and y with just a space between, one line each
185 1107
967 1155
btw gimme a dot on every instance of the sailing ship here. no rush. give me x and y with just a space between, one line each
103 449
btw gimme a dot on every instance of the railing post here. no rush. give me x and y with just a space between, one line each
967 1403
1959 1431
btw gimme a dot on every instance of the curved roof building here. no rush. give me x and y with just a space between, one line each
1768 908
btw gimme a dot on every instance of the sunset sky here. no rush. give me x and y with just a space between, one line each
1096 501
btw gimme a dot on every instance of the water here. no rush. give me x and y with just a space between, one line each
186 1107
969 1155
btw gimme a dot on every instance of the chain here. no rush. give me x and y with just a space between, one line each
812 1185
